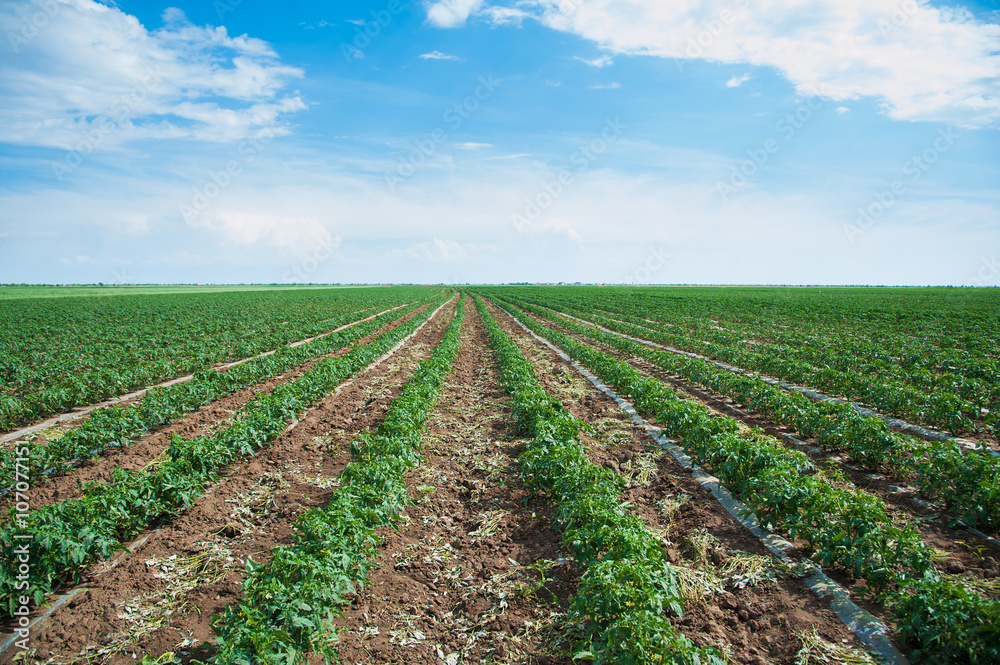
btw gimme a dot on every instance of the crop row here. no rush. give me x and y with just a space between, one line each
63 352
946 331
956 405
288 604
924 365
628 587
117 425
967 482
945 621
65 537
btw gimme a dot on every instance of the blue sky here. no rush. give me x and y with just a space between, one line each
833 142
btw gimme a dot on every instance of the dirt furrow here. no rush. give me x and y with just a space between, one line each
205 420
161 597
475 573
744 601
959 552
73 418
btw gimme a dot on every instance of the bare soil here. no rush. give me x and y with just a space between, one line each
145 449
160 598
476 572
760 623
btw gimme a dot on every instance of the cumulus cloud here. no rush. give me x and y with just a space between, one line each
737 81
923 62
94 72
451 13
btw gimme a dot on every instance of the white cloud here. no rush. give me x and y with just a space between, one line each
276 226
95 74
469 145
737 81
459 227
438 55
505 16
614 85
924 62
433 250
517 156
451 13
842 109
603 61
79 259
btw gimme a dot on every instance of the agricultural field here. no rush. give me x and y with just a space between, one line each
536 475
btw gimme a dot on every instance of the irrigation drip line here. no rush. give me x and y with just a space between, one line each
872 632
925 432
61 600
76 415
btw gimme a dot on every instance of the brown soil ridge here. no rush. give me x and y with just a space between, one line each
757 624
475 572
136 395
139 453
960 552
247 513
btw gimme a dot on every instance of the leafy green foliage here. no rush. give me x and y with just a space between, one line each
628 586
57 353
968 482
71 534
288 604
117 426
845 528
948 623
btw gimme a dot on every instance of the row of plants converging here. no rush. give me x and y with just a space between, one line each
288 604
888 357
69 535
117 425
943 619
938 339
967 482
628 587
943 407
61 353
